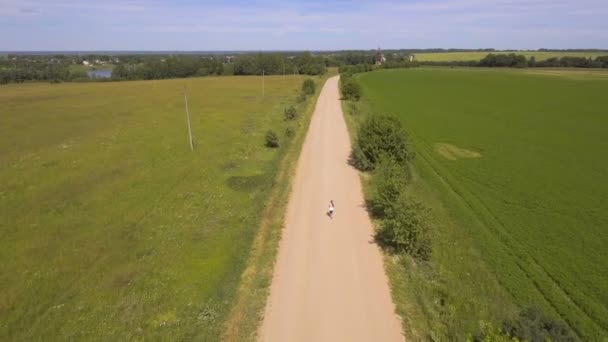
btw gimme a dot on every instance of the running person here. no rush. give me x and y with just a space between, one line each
330 211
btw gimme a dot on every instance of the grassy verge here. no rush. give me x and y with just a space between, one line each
247 312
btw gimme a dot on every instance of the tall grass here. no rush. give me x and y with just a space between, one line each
112 228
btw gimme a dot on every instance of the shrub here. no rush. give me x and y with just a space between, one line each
532 325
272 140
490 333
302 97
353 108
406 229
289 132
308 87
351 90
290 113
380 135
359 160
388 182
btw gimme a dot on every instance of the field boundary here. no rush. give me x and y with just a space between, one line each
247 311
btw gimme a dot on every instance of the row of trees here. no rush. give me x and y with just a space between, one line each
382 148
51 73
520 61
349 70
147 67
51 68
346 58
244 64
169 67
14 69
277 64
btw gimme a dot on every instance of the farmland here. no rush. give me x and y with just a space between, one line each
477 55
512 165
112 228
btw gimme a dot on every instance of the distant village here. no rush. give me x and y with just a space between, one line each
379 58
113 60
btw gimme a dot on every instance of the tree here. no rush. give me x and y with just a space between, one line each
308 87
532 325
290 113
380 135
272 140
388 181
406 228
351 90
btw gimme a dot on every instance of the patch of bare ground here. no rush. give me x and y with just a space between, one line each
453 152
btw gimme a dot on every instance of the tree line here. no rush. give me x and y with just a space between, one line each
60 68
243 64
513 60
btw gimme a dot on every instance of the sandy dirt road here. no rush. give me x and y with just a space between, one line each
329 282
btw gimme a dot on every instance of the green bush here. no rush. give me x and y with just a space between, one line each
387 184
351 89
380 135
308 87
532 325
290 113
359 160
405 228
272 140
490 333
290 132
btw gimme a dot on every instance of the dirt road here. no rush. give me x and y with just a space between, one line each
329 282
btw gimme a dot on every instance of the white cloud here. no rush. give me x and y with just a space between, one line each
433 22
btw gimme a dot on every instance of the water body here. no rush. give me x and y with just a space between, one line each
99 73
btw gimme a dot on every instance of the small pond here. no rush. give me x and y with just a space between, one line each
99 73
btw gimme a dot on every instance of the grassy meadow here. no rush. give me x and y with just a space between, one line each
512 164
112 228
478 55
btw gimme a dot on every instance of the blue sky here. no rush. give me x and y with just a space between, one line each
311 25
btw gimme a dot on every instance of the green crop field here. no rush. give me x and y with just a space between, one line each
112 228
513 165
477 55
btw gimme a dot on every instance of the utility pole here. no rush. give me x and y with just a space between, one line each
188 118
263 86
